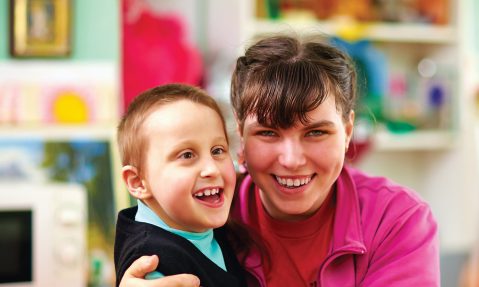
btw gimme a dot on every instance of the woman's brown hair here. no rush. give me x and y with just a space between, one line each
282 78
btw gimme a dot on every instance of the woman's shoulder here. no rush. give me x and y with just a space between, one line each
384 205
372 187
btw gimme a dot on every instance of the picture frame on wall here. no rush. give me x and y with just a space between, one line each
40 28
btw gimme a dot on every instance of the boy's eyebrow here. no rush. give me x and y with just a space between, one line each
185 143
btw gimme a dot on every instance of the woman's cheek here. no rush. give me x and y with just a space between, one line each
258 153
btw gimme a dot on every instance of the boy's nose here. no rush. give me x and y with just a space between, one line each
209 168
291 155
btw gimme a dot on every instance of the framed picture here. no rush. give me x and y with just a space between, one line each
40 28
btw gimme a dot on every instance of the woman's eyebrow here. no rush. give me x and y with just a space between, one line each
320 124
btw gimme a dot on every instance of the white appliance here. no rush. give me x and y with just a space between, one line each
42 235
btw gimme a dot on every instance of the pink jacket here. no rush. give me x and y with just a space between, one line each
383 235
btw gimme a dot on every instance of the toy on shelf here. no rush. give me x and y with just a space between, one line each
69 105
412 11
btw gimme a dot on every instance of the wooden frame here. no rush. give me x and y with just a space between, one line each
40 28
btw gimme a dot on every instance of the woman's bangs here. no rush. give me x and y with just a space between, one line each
286 92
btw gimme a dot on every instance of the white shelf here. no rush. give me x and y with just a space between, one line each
416 140
390 32
58 132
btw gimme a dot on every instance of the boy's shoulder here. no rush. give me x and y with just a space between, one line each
134 239
145 236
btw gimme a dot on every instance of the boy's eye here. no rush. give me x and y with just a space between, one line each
187 155
218 151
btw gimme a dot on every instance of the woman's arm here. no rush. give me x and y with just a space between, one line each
409 254
134 275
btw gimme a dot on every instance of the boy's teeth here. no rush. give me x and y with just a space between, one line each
289 182
208 192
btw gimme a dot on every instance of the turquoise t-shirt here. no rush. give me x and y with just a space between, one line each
204 241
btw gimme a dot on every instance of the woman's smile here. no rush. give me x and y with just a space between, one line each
293 181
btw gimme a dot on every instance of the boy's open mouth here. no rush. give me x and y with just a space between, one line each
209 195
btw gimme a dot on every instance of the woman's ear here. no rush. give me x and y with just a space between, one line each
349 127
239 131
135 185
240 149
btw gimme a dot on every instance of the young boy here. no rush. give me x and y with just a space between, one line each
174 152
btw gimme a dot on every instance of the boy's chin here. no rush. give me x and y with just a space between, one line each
218 222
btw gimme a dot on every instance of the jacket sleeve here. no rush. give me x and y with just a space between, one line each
408 254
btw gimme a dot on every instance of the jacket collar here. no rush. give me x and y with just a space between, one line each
347 231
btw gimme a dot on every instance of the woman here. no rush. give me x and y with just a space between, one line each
321 222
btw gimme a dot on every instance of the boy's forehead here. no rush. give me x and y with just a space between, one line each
179 114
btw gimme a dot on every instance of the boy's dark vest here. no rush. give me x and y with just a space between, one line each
177 255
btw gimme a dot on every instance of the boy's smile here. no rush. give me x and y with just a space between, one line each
212 197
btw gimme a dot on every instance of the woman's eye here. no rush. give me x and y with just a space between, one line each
187 155
315 133
266 133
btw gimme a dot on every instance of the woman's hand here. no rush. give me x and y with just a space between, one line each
134 275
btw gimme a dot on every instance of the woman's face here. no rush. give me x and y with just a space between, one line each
295 168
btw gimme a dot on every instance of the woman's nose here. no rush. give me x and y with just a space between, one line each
209 168
291 155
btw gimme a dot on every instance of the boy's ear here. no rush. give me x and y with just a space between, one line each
135 185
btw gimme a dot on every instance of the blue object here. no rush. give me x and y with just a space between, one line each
436 96
372 69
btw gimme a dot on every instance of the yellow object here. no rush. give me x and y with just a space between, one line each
350 30
70 107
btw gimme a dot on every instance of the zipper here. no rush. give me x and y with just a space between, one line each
336 254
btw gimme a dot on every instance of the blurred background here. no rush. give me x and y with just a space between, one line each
68 69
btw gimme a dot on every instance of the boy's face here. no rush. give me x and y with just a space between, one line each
188 168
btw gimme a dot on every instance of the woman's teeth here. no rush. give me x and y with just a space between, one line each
293 182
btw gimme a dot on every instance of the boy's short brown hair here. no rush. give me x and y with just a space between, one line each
131 139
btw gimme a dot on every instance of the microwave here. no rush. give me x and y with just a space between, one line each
43 235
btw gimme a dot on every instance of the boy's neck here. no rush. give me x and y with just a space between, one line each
155 207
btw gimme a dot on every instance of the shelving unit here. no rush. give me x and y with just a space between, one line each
427 140
386 32
59 132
